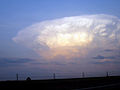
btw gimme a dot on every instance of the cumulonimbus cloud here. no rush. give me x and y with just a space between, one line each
71 36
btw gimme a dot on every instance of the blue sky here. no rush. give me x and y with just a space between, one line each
15 15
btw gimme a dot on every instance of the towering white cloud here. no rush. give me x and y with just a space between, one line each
72 36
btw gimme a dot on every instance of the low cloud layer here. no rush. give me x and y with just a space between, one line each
72 37
6 62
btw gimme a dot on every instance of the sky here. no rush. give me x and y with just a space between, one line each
42 37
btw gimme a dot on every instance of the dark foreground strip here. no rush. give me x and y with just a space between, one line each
97 87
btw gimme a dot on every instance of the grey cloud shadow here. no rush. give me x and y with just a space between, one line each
103 57
108 50
107 62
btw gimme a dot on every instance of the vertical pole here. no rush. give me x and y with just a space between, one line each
83 74
107 74
53 75
17 77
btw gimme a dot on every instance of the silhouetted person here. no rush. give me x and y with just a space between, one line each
28 79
